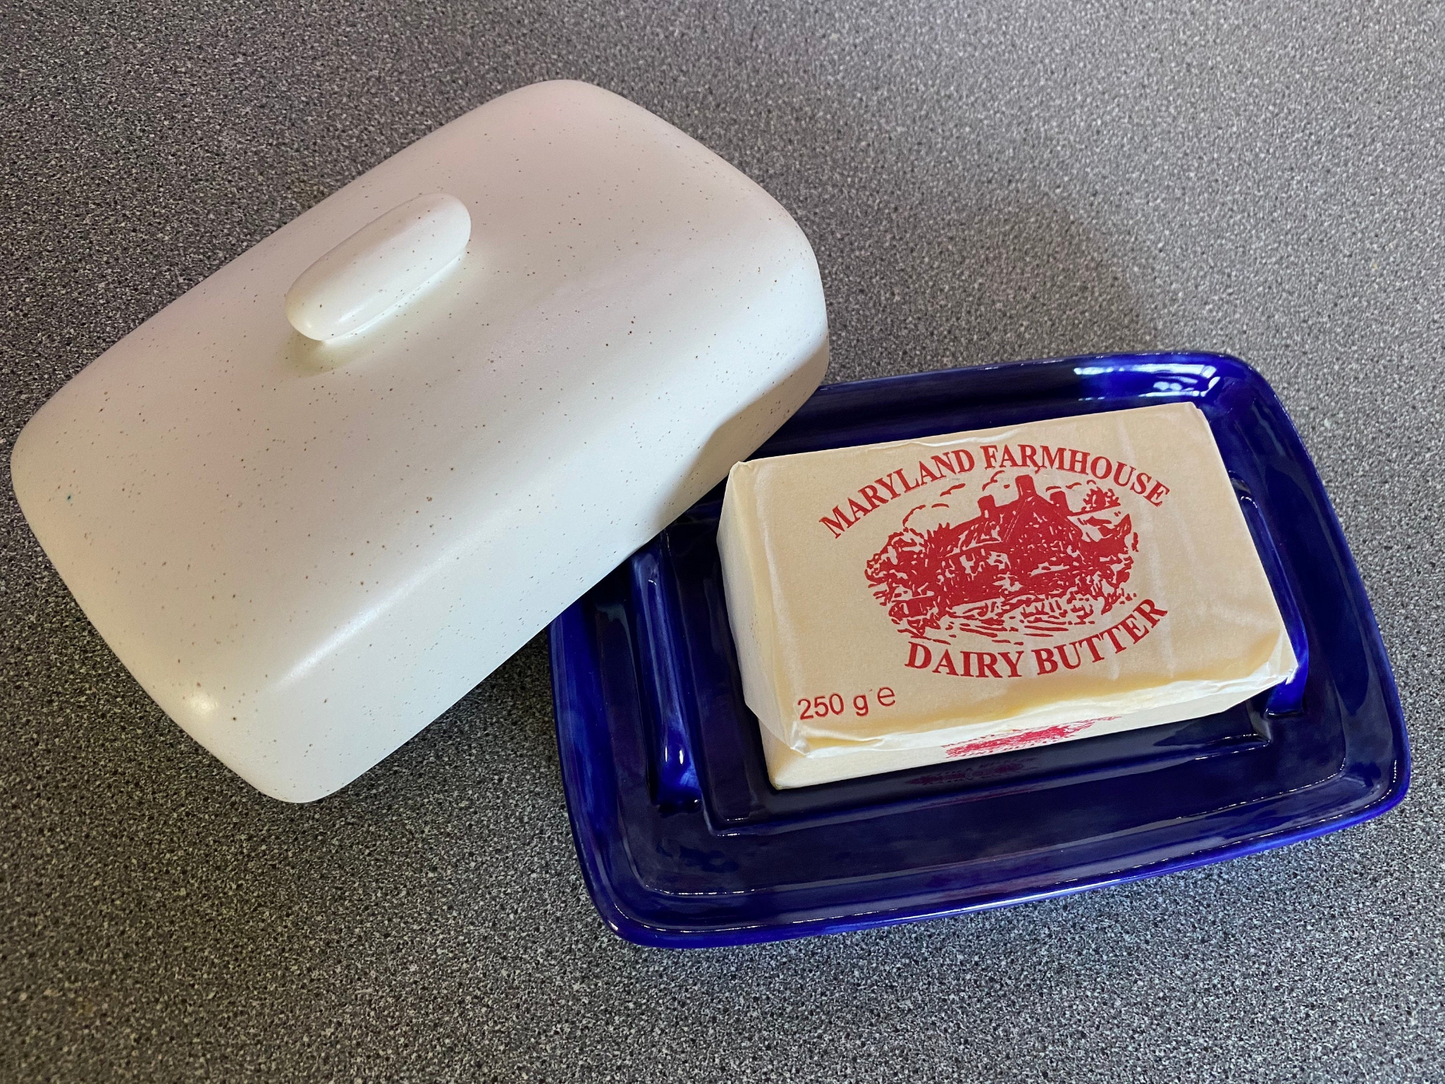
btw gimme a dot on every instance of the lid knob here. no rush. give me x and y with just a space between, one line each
379 267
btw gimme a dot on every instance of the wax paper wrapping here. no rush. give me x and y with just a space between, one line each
916 601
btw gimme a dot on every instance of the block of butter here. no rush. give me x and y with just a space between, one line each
912 602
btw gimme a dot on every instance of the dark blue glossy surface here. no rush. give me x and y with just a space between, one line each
684 843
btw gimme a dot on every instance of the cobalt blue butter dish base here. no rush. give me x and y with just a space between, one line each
684 843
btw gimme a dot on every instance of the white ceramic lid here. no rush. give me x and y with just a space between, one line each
531 340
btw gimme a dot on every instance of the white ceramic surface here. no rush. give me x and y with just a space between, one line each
379 268
305 551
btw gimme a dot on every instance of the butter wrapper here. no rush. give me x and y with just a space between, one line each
917 601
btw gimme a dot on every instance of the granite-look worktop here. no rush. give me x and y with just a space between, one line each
986 184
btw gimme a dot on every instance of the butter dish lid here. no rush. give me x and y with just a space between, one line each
315 500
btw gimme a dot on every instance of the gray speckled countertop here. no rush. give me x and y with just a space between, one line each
1000 182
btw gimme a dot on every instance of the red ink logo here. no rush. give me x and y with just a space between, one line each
1037 565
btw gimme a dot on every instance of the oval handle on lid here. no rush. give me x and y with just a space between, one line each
379 267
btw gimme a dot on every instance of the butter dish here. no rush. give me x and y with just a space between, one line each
318 498
684 842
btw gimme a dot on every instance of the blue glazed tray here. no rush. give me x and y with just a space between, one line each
684 843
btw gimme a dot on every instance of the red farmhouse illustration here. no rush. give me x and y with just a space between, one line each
1034 566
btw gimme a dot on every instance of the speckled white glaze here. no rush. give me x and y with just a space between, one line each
305 551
